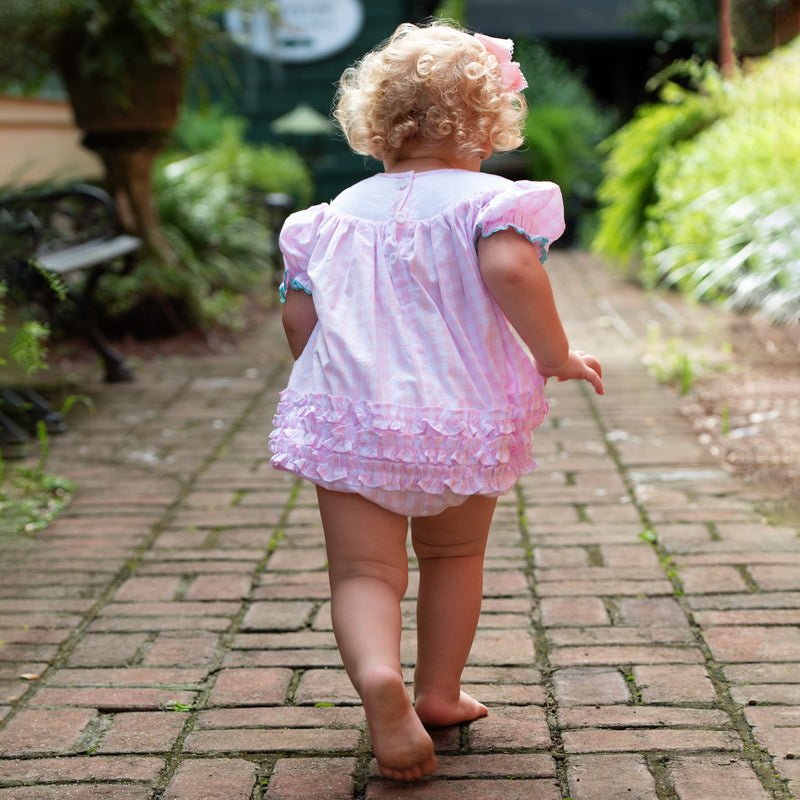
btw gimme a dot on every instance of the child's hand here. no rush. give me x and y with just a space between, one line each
578 366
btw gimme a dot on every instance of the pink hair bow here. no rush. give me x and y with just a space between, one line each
501 49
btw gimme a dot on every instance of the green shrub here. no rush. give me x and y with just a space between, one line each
725 221
213 215
634 155
563 127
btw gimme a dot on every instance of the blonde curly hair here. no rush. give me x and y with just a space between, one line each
428 85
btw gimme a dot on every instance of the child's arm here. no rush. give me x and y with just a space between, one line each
299 319
514 275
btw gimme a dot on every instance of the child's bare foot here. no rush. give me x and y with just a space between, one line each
402 746
436 711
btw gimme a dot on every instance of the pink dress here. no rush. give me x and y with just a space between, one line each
413 389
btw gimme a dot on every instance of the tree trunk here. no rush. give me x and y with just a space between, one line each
127 126
128 159
727 60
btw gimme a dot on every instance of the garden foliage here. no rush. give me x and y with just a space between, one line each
209 191
564 125
703 187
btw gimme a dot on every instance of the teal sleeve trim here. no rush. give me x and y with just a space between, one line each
290 283
541 241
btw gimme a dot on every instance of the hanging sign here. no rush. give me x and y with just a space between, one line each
297 30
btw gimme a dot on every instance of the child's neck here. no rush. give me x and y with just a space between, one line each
421 160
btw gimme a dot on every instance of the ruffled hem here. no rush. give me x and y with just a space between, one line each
363 444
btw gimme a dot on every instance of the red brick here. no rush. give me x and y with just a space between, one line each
638 555
54 620
497 765
642 741
28 635
776 578
639 716
325 686
711 580
499 648
173 650
282 641
27 652
144 769
617 634
285 616
561 557
78 791
761 673
116 699
559 611
607 588
301 659
293 586
669 683
130 676
505 583
148 589
44 731
508 789
754 644
298 560
603 777
212 779
154 624
518 727
506 695
250 687
106 649
181 608
773 694
750 616
142 732
272 741
200 566
715 778
781 742
648 611
312 779
281 717
624 655
591 686
775 600
218 587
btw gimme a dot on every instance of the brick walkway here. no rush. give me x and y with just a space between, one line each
169 636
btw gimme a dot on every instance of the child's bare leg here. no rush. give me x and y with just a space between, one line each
450 549
368 571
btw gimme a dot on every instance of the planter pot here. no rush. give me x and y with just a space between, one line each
147 100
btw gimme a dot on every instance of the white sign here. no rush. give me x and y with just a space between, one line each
297 30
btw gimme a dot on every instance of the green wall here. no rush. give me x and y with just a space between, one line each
262 96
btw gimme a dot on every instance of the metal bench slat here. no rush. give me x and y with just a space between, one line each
88 254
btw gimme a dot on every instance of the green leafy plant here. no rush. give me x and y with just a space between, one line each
30 496
671 361
725 221
211 205
564 126
634 154
104 38
670 21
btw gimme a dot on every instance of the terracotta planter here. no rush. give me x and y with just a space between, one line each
147 100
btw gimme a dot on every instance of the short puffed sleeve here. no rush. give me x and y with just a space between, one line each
297 240
533 208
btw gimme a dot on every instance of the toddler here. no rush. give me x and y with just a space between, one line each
411 395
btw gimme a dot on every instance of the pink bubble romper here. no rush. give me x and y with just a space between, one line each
413 389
